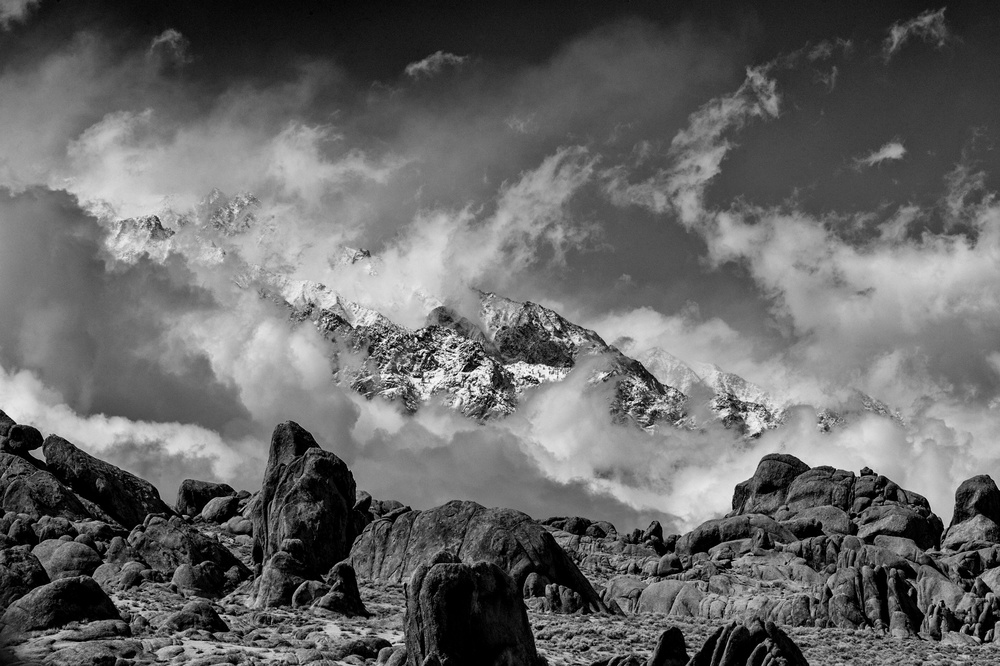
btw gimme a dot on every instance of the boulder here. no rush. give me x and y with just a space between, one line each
60 602
26 489
21 439
900 520
204 579
20 572
67 559
670 650
978 496
280 577
750 643
124 496
220 509
466 614
390 550
308 494
976 518
767 489
166 544
714 532
624 591
343 596
671 597
193 495
308 592
197 614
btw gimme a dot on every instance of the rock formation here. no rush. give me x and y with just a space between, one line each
391 549
124 496
976 520
308 494
466 614
193 495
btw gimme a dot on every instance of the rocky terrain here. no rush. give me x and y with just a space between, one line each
812 565
481 363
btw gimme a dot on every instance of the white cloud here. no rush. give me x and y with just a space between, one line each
15 11
434 64
930 26
698 151
890 152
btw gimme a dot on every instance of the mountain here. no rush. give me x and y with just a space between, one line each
731 399
482 364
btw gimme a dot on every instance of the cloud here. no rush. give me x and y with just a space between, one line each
433 64
16 11
697 151
170 48
930 27
889 152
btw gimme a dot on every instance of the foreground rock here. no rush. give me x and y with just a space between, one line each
124 496
309 495
392 548
751 644
58 603
466 614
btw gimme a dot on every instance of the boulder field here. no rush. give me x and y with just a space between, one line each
96 568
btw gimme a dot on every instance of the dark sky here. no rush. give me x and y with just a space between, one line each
802 193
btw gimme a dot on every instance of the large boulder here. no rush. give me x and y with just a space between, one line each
20 572
21 439
466 614
60 602
391 549
767 489
308 494
714 532
124 496
167 543
193 495
67 559
24 488
976 518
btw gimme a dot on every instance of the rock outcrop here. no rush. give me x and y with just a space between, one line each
308 494
26 489
466 614
833 500
124 496
976 519
391 549
749 644
193 495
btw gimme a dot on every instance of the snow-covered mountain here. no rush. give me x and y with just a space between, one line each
733 400
481 364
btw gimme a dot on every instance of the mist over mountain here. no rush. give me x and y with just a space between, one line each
599 273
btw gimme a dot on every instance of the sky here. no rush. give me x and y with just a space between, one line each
803 195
